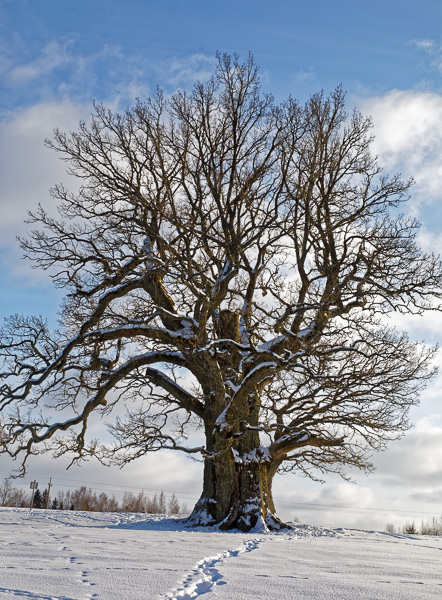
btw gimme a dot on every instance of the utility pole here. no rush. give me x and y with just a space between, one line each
49 492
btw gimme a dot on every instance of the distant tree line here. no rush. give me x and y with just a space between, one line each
84 499
433 527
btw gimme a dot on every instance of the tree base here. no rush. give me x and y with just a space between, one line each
248 519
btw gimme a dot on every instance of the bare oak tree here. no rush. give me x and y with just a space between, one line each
229 264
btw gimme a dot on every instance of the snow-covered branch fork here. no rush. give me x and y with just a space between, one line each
228 265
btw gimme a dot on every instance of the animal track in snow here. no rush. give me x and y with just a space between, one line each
32 595
83 575
206 575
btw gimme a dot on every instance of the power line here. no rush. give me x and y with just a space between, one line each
356 511
95 489
129 487
313 506
169 493
295 505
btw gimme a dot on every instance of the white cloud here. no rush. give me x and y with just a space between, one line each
408 130
332 504
428 497
415 461
28 169
346 495
425 44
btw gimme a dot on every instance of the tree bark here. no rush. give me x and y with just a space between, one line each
237 489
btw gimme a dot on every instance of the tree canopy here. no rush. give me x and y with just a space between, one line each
229 264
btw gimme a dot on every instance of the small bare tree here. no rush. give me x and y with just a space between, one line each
6 492
433 527
409 528
153 505
228 265
12 496
173 506
136 503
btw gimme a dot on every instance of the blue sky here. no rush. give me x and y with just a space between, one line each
365 46
56 57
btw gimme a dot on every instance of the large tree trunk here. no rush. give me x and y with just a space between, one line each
237 490
237 494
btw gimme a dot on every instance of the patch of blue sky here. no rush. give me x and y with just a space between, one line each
90 49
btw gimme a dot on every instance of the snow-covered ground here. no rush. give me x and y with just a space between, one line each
62 555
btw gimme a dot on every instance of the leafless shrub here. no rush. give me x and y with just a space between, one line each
433 527
13 496
409 528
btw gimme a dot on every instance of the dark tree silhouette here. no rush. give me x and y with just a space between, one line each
228 265
38 499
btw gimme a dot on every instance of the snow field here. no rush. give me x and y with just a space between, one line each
63 555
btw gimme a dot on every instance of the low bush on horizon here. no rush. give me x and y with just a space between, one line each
431 527
84 499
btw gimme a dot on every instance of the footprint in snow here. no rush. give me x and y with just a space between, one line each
206 574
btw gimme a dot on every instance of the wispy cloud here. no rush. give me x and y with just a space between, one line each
305 76
59 71
425 44
433 49
184 71
54 56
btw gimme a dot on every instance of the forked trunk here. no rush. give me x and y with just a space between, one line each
237 490
237 493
